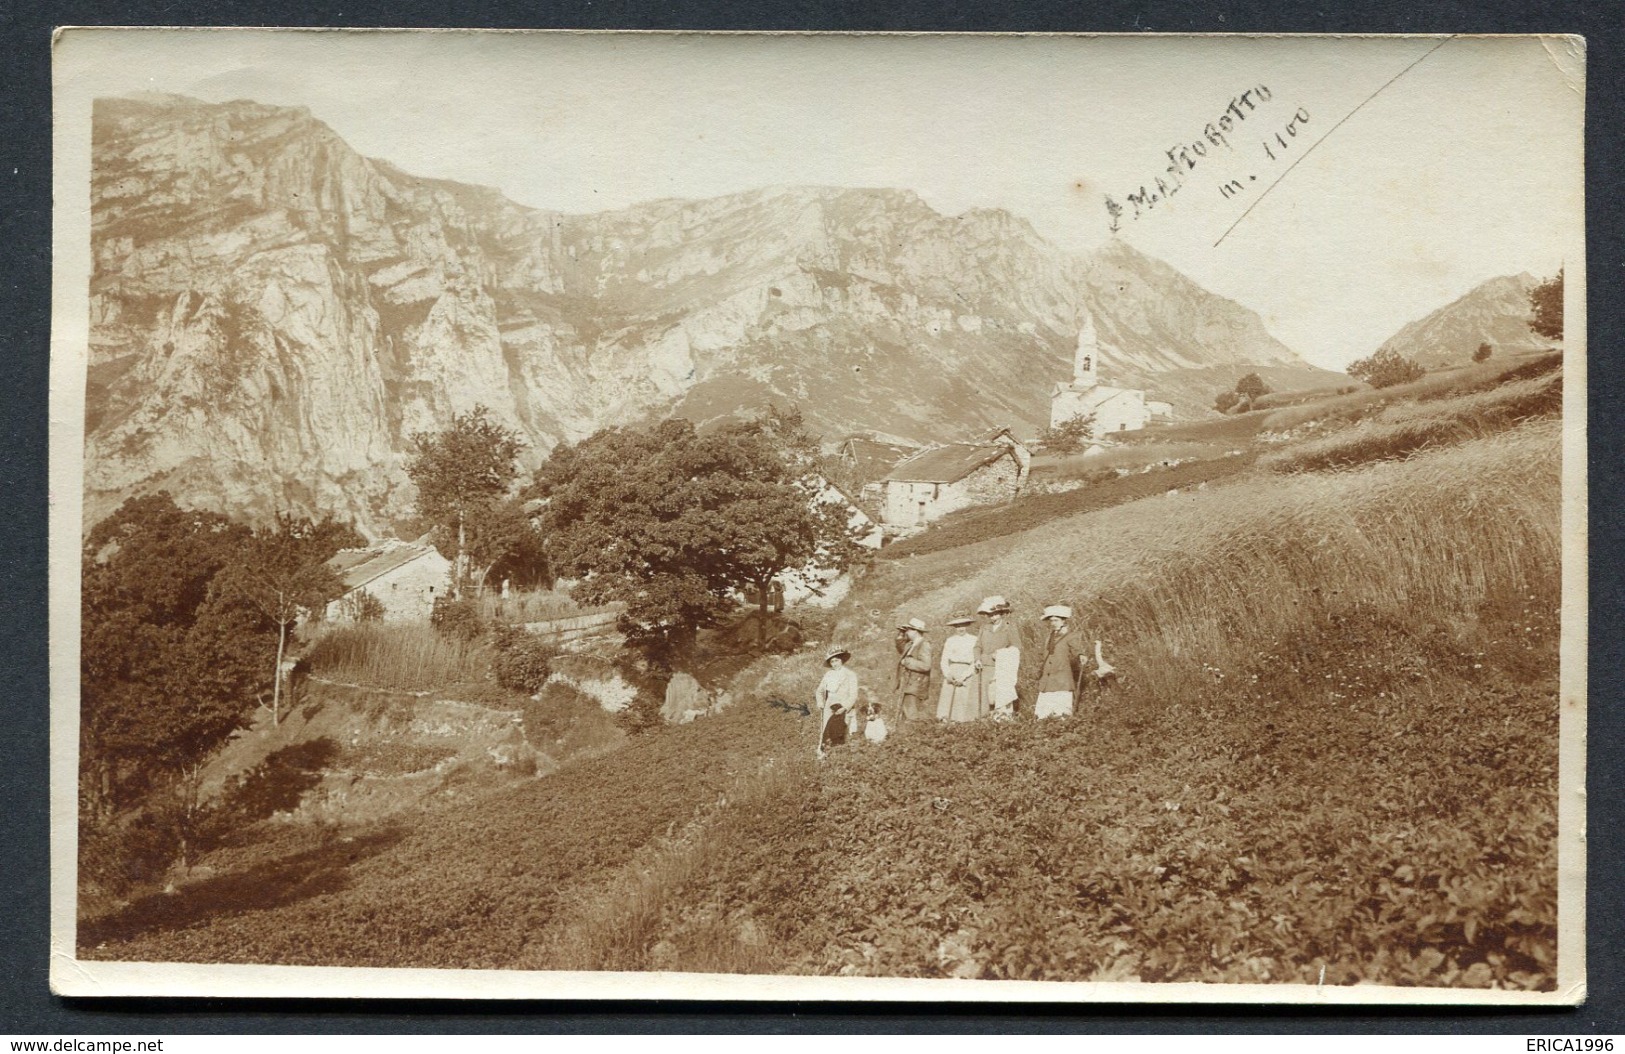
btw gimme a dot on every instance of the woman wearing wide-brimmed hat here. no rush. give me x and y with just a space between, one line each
960 692
837 697
913 681
1063 665
998 658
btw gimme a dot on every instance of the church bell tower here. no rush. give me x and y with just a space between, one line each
1086 360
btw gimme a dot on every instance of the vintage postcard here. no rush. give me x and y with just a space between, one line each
860 517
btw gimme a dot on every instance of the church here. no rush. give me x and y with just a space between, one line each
1114 409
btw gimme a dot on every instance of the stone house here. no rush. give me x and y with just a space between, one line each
935 482
404 577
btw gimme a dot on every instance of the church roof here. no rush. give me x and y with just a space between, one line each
1099 395
947 464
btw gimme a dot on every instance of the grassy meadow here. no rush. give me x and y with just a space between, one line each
1330 756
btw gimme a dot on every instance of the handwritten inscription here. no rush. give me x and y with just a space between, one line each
1218 140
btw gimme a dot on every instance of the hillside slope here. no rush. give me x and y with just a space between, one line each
1496 313
1333 747
273 316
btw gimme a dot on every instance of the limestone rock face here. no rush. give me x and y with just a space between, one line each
273 316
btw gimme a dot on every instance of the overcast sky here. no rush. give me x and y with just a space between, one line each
1466 167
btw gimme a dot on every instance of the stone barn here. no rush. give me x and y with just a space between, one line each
935 482
404 577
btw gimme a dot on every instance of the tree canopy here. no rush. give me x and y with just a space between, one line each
1252 387
1069 436
674 523
282 573
176 642
1386 368
461 473
1546 304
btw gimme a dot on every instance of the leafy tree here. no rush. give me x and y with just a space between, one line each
674 523
167 666
282 573
1226 401
1069 436
1483 353
1252 388
1546 305
1386 368
460 473
173 653
501 536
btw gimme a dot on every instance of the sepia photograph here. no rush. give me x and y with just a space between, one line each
1043 518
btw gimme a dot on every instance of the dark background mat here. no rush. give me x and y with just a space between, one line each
26 1004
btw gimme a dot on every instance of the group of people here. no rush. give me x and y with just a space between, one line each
980 662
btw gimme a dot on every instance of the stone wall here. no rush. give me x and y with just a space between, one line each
992 484
408 593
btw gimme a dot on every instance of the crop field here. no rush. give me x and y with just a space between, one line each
1128 458
1336 748
1330 758
1033 510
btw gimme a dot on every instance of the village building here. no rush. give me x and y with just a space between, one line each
405 578
1007 437
938 481
1114 409
865 462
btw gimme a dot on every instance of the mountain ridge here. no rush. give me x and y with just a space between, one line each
1495 312
273 315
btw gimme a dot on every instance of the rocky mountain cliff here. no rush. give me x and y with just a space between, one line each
1496 313
273 315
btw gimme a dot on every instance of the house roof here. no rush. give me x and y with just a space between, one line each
947 464
992 435
357 567
874 458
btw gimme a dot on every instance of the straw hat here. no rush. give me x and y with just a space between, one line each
962 620
838 653
1057 611
914 624
993 605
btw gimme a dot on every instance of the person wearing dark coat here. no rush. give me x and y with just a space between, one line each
913 681
1063 662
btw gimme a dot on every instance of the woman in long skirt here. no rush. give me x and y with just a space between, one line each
837 697
998 659
960 693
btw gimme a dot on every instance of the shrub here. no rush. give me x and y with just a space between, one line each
1068 436
1225 401
522 661
1484 352
1385 369
1252 388
457 618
